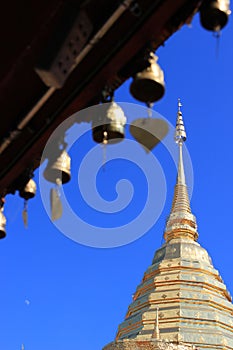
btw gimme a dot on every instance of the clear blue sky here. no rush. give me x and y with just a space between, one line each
58 294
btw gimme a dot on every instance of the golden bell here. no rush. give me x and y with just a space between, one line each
148 85
29 191
58 169
2 225
109 125
214 14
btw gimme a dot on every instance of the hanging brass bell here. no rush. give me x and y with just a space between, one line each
2 224
29 190
214 14
59 169
148 85
110 124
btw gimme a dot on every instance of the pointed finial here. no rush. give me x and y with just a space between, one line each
179 104
181 222
180 134
156 333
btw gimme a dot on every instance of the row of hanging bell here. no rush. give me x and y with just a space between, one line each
57 171
27 192
148 86
214 14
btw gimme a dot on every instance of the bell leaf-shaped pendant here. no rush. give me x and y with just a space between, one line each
148 131
55 204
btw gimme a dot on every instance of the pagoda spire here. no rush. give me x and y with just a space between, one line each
181 302
180 138
181 222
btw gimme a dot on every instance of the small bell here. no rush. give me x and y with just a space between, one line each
180 133
109 126
57 172
27 192
148 85
58 169
214 14
2 220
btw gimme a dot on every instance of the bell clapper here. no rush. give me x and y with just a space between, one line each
55 201
217 35
104 146
58 187
149 110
